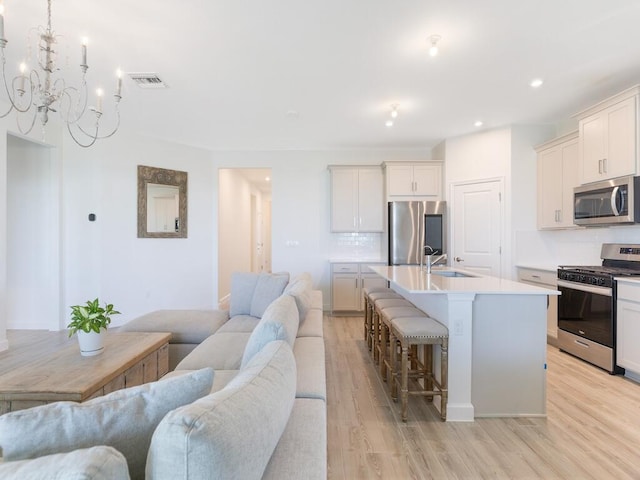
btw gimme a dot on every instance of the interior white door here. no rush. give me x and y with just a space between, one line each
477 226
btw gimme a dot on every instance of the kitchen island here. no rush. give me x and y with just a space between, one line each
497 338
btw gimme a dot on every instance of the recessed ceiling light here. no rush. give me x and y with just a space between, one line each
478 124
389 123
267 179
536 82
394 110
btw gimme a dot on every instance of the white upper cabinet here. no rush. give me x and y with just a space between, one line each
411 180
608 138
357 199
557 176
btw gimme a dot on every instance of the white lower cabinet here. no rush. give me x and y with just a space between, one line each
628 326
348 281
545 279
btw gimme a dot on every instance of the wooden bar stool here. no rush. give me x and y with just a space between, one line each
384 311
425 331
368 313
376 330
368 307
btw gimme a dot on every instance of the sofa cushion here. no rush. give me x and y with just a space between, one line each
302 449
95 463
240 323
268 288
243 284
231 433
300 289
124 419
312 377
222 351
251 293
186 326
312 324
220 379
279 322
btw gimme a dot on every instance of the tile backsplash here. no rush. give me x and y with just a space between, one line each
357 245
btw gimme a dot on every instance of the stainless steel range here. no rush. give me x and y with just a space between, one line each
587 306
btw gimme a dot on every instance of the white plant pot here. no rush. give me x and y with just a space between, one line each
91 343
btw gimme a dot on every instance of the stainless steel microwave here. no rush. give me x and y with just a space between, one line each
609 202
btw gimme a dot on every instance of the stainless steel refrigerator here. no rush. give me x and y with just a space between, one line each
412 225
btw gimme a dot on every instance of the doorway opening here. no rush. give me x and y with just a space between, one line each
244 224
33 236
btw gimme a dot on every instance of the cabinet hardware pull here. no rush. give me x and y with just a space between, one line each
600 166
582 344
604 165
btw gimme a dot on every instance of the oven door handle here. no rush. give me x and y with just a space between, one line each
586 288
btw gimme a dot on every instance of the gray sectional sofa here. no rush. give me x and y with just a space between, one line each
254 387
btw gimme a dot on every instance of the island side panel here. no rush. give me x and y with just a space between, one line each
509 355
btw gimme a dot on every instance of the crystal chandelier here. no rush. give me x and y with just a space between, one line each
35 92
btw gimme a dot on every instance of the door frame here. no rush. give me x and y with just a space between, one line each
502 223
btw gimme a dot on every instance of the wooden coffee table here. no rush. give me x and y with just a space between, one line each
129 359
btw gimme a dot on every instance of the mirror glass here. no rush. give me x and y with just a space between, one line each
162 203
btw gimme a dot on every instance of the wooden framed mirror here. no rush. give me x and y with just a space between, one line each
162 203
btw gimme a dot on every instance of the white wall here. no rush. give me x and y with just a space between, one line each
105 258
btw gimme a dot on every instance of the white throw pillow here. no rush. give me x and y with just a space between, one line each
300 289
231 433
95 463
279 322
268 288
124 419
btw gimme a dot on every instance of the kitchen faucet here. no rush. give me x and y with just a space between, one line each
429 260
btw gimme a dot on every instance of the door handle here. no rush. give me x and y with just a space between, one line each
458 259
614 203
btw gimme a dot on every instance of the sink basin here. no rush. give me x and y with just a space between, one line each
451 273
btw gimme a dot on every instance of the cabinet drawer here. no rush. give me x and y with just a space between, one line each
627 291
538 276
344 268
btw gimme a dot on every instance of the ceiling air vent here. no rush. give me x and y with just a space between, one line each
147 80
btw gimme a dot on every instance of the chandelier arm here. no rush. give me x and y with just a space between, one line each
33 122
83 145
6 88
101 137
77 113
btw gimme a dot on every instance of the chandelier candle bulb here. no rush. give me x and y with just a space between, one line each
23 69
99 94
85 40
119 83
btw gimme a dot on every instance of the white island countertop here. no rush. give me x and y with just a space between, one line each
497 338
415 280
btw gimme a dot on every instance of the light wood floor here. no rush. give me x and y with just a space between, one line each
592 429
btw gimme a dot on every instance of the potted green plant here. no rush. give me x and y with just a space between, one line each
90 322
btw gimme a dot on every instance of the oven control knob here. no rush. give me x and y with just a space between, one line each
582 278
601 281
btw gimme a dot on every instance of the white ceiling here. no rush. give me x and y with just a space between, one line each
236 68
